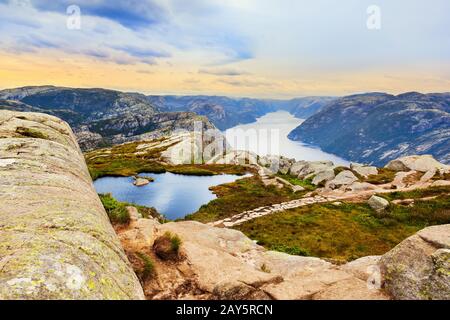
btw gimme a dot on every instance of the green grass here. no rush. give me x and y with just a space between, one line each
123 161
149 267
417 193
239 196
384 176
307 183
118 213
207 170
175 241
349 231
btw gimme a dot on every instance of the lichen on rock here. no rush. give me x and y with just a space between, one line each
56 241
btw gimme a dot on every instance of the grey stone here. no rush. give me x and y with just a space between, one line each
378 203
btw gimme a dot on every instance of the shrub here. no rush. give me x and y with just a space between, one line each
167 246
117 211
148 269
175 242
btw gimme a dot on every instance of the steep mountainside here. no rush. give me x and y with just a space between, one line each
99 117
224 112
376 127
227 112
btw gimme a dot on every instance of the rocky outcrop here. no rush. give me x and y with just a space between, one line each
425 163
221 263
323 177
419 267
101 117
56 241
363 170
311 168
344 178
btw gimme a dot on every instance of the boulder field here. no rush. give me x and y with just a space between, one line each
56 241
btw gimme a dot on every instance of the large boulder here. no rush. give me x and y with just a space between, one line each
363 170
297 167
323 177
276 163
344 178
419 267
56 241
312 168
422 163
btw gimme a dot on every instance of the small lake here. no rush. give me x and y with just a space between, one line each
173 195
269 135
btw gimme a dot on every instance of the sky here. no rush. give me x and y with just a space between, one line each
253 48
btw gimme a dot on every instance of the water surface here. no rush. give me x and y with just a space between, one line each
269 135
173 195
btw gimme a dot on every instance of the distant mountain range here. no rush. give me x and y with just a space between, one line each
375 128
100 117
372 128
227 112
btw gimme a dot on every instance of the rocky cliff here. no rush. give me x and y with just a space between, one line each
56 241
100 117
376 128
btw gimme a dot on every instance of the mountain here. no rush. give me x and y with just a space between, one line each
224 112
100 117
375 128
303 108
227 112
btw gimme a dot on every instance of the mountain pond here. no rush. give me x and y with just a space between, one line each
176 196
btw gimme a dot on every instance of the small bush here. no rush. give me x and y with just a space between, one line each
175 242
148 269
167 246
117 211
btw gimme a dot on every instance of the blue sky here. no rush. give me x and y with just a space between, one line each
270 48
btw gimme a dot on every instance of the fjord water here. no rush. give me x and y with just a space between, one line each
173 195
269 135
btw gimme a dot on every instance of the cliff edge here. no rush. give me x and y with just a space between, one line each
56 241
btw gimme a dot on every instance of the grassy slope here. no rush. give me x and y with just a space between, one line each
123 161
241 195
351 230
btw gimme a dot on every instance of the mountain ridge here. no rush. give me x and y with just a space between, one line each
375 128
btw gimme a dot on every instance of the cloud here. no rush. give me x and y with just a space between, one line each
141 52
223 72
245 83
133 14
